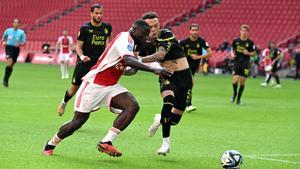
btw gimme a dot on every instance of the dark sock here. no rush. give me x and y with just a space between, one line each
165 115
234 86
8 71
174 118
67 97
165 120
241 89
277 79
269 78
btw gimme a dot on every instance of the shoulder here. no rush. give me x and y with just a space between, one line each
8 30
106 24
236 40
250 41
201 40
183 41
165 35
22 31
85 25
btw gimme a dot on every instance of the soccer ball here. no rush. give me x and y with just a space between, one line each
231 159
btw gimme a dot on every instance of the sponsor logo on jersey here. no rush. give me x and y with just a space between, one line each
130 47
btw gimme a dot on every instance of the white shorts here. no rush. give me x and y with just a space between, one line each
64 57
268 68
90 97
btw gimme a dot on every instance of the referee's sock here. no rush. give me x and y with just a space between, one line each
8 71
241 89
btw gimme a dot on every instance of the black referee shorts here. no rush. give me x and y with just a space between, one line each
12 52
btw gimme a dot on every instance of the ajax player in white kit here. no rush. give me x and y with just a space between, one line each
64 48
100 88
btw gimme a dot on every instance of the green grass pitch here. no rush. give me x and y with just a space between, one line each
265 129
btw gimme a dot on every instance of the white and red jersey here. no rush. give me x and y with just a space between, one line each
65 43
110 65
266 58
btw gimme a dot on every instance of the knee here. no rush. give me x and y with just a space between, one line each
133 108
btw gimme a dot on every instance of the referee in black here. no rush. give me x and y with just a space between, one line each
242 49
92 39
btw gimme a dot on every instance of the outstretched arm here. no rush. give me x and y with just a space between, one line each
134 63
158 56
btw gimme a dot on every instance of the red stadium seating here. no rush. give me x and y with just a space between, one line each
269 20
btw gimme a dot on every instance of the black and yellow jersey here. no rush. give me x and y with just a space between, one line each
238 47
168 41
193 47
146 49
94 39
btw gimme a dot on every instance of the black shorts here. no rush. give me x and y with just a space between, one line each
81 69
194 65
181 84
241 69
274 67
12 52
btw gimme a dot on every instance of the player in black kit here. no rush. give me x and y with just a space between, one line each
175 90
192 46
242 49
91 42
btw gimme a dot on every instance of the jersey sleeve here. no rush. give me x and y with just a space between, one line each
71 40
204 44
82 34
23 37
4 37
125 46
252 47
234 44
165 40
109 28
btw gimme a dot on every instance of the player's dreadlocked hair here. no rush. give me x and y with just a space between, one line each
149 15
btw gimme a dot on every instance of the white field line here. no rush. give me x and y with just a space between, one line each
265 157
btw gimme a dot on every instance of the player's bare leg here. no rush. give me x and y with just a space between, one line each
65 131
68 95
127 103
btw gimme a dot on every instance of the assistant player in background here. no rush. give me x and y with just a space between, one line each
192 46
242 49
100 87
64 47
175 90
13 38
92 39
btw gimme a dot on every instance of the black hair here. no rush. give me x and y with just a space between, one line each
95 6
141 23
149 15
